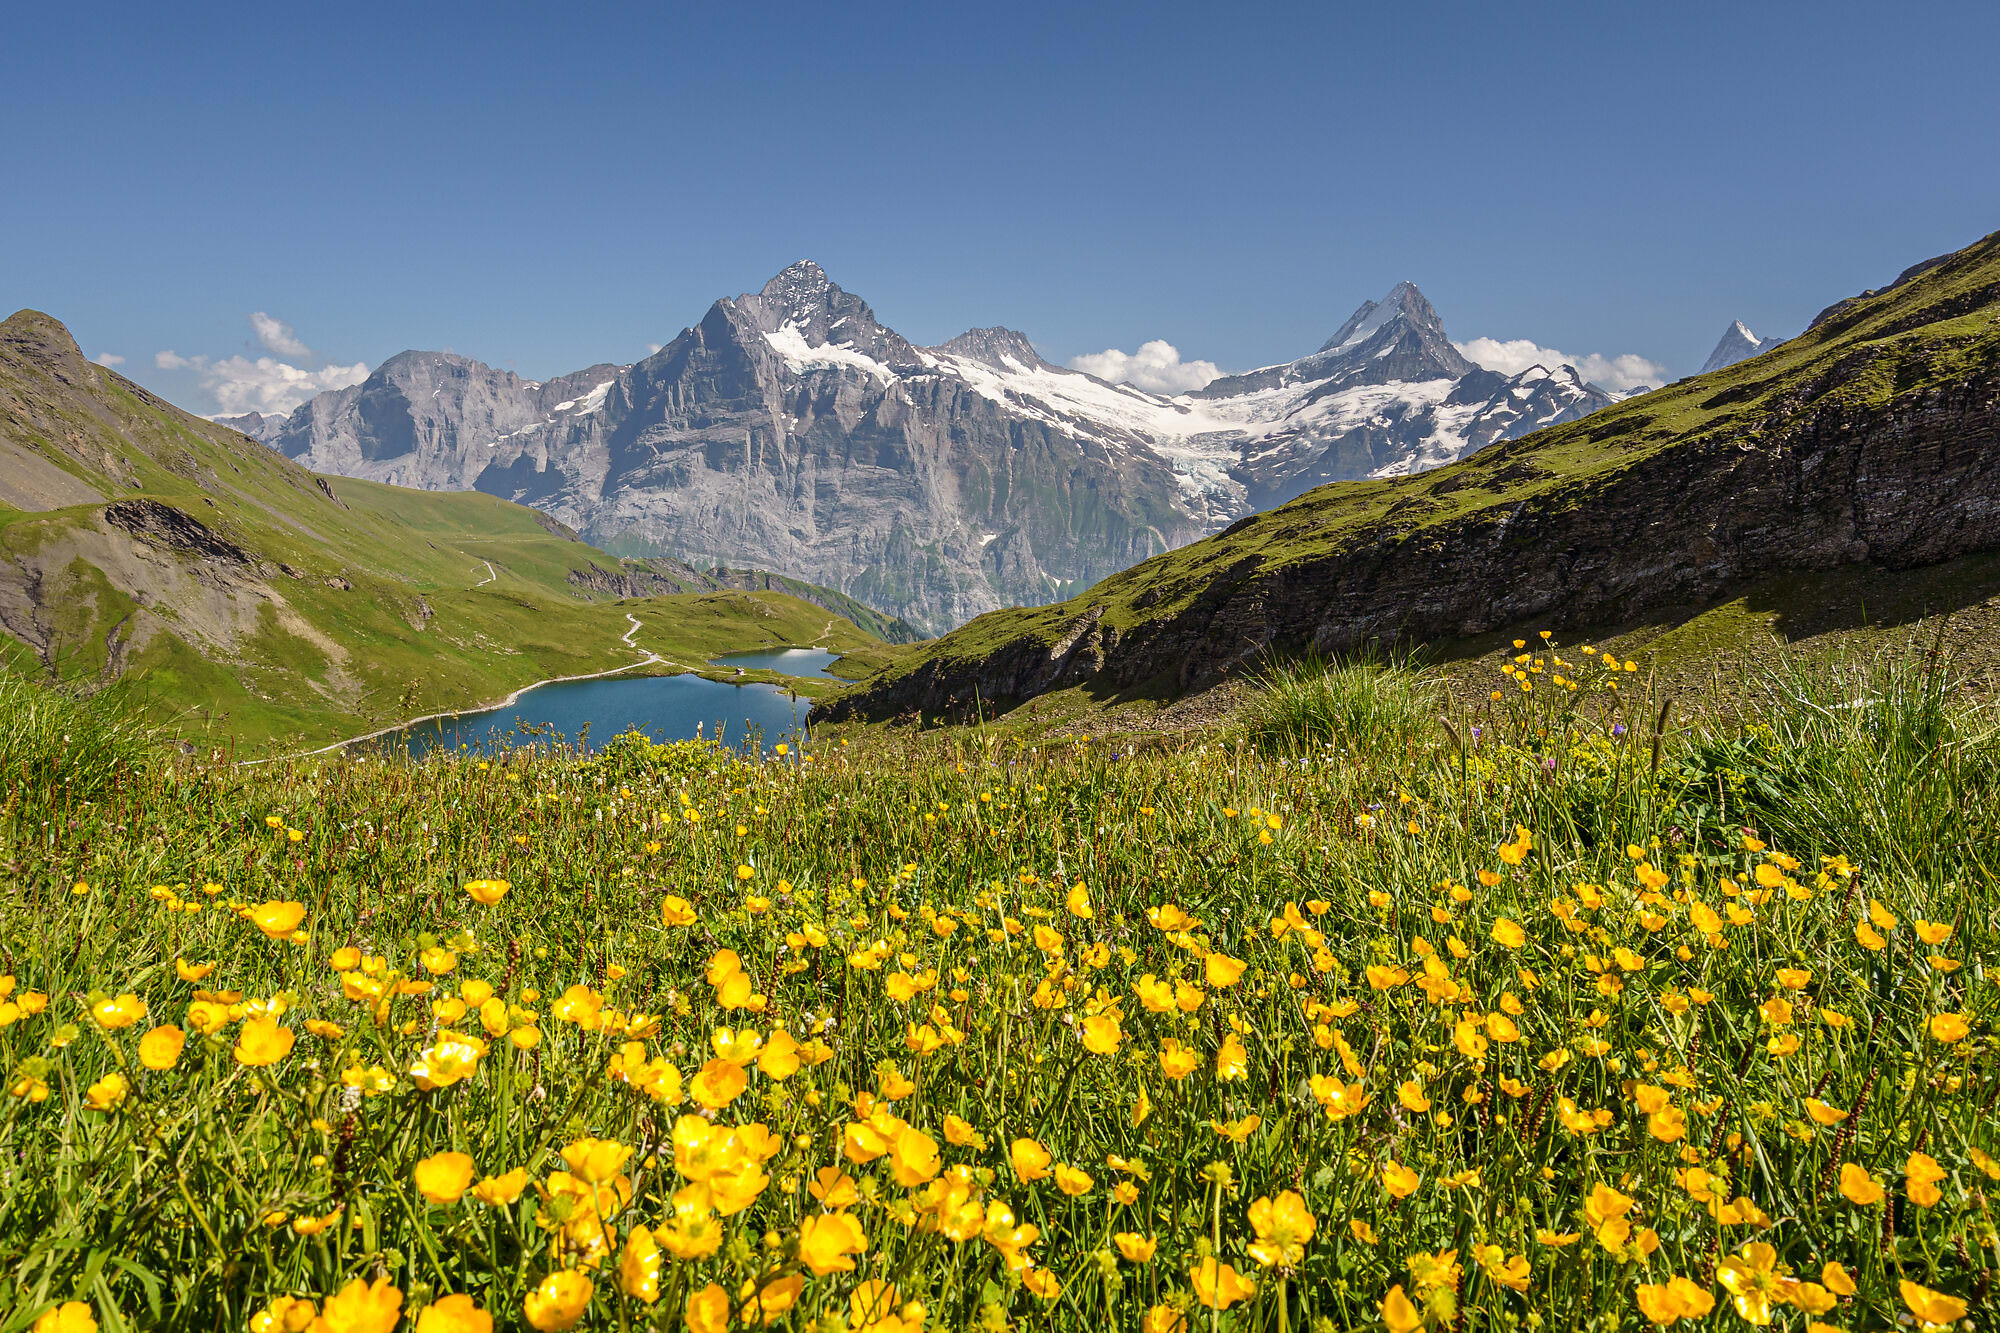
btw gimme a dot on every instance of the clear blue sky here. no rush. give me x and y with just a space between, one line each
545 186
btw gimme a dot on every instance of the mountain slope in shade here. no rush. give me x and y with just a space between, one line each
791 429
1870 442
1737 344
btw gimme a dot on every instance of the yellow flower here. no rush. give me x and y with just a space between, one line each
1102 1035
443 1177
1163 1319
708 1310
1139 1249
1222 970
1398 1313
1176 1060
1933 1308
1237 1131
767 1304
363 1308
161 1048
278 920
262 1042
1949 1028
69 1317
596 1160
1676 1298
1232 1062
1753 1281
676 911
106 1093
1921 1174
120 1012
559 1301
1822 1114
453 1314
1218 1286
1859 1187
1031 1160
1284 1227
1072 1181
913 1157
717 1084
1078 903
494 1191
1411 1094
487 892
1399 1180
192 972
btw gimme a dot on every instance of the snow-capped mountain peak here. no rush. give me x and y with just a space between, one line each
1738 343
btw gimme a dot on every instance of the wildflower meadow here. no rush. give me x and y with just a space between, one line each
1565 1006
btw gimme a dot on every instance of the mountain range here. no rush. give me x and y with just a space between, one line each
792 430
1849 477
242 598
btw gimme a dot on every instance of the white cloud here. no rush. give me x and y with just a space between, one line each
265 385
107 359
1512 356
653 349
1156 367
278 336
269 385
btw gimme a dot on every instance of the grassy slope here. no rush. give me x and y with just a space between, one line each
260 655
1892 344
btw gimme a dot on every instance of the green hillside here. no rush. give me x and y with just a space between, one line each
1805 481
245 599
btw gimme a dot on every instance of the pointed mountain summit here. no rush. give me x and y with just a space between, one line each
995 347
804 299
1396 339
1737 344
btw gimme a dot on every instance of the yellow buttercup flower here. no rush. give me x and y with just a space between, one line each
558 1301
444 1177
456 1313
277 919
1284 1227
161 1048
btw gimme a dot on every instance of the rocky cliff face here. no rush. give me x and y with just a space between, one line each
792 430
1873 438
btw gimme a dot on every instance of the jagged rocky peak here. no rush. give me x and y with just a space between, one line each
801 300
995 347
1737 344
1404 302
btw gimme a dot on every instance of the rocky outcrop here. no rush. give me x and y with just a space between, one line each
1877 442
164 525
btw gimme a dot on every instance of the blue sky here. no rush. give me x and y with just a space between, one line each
546 187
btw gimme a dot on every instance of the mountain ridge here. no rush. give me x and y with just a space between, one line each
1871 440
790 428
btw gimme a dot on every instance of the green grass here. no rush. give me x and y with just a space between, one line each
365 603
1704 991
1898 345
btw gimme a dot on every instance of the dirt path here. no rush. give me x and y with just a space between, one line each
490 575
650 659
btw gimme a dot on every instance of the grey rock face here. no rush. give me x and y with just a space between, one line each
792 430
264 429
1737 344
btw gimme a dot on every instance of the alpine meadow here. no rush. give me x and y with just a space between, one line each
1211 814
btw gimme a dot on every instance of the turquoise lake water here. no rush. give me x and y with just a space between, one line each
791 661
664 707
